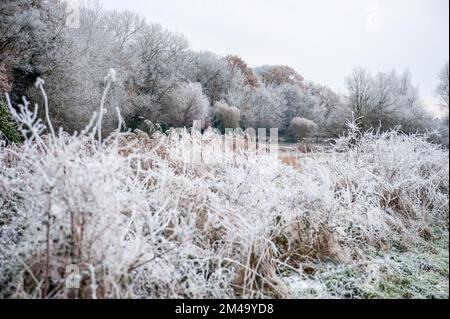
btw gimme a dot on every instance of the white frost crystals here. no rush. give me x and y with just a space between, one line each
140 221
112 76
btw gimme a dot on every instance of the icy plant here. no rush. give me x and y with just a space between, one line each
185 104
301 128
109 79
172 216
226 116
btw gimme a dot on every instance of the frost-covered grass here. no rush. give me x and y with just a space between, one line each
142 218
420 272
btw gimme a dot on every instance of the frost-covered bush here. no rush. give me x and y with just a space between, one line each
226 116
184 105
173 216
213 73
301 128
298 103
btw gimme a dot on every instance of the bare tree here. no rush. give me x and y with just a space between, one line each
385 100
359 85
125 25
442 90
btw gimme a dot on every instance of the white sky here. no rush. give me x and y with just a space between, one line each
322 39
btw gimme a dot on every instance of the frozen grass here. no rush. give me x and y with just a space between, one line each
420 272
142 218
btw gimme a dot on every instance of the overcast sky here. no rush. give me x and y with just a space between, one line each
322 39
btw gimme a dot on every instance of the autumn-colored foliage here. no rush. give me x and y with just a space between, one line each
281 74
236 62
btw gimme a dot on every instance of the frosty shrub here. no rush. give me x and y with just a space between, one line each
443 89
142 218
301 128
226 116
184 105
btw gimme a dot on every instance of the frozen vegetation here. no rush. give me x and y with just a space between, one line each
173 216
98 188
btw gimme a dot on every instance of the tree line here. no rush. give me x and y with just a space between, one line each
162 80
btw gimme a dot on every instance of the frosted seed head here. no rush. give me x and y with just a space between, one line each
112 75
